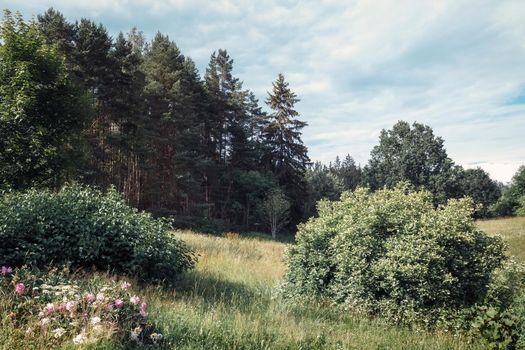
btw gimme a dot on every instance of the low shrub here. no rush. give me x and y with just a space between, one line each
392 253
500 317
87 228
53 308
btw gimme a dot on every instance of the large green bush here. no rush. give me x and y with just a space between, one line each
393 253
87 228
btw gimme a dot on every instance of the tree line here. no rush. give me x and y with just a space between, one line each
137 115
78 105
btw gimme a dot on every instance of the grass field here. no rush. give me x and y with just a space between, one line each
229 302
513 232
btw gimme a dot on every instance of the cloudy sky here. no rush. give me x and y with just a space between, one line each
358 66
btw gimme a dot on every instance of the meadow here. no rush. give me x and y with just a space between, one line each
230 301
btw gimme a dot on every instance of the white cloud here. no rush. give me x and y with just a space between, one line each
359 66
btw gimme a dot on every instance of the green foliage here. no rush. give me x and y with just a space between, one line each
347 171
322 184
286 154
521 206
87 228
511 202
500 317
412 154
392 253
40 108
477 184
274 211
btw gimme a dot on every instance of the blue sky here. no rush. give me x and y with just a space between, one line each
358 66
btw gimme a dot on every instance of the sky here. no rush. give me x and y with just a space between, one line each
357 66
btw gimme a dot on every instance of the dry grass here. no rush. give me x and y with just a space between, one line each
512 230
230 302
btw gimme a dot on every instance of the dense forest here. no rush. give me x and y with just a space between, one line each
81 106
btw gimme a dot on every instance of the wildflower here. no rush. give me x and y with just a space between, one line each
50 308
90 297
100 297
95 320
79 339
119 303
109 307
45 321
59 332
125 285
156 337
30 332
143 311
69 306
135 300
20 288
135 333
62 307
5 270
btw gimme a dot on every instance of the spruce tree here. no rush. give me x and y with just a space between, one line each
287 156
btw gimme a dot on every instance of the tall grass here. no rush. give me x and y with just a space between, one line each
229 302
513 232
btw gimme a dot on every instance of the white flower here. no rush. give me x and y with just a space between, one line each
59 332
95 320
45 321
79 339
156 337
134 335
101 297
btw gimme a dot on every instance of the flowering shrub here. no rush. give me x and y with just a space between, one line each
57 309
87 228
391 253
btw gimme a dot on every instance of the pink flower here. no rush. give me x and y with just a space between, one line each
50 308
109 307
125 285
143 311
119 303
62 307
134 300
6 270
69 306
20 288
90 297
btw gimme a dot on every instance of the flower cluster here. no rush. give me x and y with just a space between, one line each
55 306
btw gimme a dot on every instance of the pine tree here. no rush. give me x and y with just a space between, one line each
228 126
172 92
287 156
347 171
59 32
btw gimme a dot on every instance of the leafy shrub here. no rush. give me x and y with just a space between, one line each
87 228
53 308
521 208
500 317
392 253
